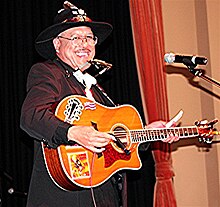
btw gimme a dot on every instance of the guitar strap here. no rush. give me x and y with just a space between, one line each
102 95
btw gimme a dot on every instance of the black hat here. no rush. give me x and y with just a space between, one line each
67 18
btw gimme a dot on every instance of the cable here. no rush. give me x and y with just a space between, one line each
91 189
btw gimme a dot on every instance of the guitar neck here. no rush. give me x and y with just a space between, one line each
149 135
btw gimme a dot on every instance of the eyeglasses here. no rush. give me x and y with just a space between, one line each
76 40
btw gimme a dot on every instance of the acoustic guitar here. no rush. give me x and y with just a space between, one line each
73 166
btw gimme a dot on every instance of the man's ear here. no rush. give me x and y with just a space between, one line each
56 43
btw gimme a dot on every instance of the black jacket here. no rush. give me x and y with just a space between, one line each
47 84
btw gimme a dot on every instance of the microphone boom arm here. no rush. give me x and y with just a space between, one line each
200 73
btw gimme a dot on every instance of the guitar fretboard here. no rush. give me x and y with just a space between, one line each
148 135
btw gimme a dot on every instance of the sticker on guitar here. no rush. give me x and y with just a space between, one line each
73 110
79 165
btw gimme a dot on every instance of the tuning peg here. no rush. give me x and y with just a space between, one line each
214 121
206 122
206 131
215 132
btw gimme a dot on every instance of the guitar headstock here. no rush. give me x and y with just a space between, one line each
206 130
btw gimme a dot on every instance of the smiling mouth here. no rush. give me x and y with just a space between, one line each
83 53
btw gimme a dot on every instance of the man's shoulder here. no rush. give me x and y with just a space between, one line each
46 69
47 65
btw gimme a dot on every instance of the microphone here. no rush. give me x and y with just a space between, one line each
186 60
100 65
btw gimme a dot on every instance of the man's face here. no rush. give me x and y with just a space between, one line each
78 48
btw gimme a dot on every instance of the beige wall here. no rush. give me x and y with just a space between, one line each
193 27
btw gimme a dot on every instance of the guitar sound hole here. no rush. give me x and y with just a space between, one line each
121 134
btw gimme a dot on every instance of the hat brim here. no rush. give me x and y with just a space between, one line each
44 42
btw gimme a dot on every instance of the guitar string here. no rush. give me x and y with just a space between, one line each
92 191
160 132
157 135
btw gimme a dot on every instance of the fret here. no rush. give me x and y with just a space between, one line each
163 134
153 134
142 136
186 132
189 132
177 131
136 136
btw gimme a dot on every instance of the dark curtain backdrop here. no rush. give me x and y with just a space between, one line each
21 22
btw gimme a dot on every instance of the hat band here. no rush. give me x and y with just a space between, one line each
78 19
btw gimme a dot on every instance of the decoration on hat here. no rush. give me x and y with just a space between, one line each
78 13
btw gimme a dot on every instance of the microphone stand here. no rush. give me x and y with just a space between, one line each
12 191
201 73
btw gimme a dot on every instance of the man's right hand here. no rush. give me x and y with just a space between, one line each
89 138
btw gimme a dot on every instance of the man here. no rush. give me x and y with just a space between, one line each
69 46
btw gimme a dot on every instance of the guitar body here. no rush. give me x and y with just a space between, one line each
71 167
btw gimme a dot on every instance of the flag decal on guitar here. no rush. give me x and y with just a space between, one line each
89 105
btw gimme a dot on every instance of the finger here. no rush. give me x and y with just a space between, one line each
176 139
96 150
112 137
105 136
175 119
99 144
99 140
173 139
156 124
167 139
